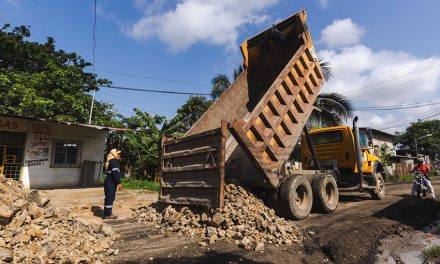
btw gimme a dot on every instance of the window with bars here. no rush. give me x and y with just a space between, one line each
66 154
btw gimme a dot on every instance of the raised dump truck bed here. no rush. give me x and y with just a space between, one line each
272 130
265 111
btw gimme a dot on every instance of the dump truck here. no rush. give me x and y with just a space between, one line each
249 133
353 163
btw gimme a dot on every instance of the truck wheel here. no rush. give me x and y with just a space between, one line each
325 193
296 197
379 192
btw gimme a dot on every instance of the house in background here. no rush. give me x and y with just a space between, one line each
49 154
380 138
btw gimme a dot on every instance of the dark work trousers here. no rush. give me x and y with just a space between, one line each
110 195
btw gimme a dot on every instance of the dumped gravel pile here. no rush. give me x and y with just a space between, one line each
243 220
31 231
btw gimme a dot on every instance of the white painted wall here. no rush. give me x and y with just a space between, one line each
43 176
93 144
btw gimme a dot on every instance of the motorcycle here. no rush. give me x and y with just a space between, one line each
420 185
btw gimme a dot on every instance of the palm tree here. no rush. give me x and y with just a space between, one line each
237 72
142 147
333 109
219 84
326 68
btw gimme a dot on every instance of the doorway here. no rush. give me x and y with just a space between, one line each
12 145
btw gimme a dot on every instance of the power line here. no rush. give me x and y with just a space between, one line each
94 58
151 90
396 107
155 78
408 122
394 78
393 86
130 107
137 103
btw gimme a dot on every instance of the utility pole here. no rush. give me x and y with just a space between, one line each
415 142
91 106
93 53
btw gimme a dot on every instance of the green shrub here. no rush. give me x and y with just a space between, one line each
432 252
407 178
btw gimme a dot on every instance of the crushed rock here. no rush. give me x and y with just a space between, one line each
243 220
32 231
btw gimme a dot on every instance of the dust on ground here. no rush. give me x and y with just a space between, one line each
352 234
93 199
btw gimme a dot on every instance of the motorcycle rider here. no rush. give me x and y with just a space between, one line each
424 169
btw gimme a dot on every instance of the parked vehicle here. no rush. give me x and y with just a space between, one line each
249 133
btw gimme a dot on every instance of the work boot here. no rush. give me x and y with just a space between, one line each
112 216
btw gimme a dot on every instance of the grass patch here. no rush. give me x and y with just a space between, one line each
140 185
407 178
432 252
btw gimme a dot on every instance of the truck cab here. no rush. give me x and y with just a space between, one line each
335 149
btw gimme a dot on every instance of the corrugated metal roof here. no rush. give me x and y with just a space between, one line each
122 129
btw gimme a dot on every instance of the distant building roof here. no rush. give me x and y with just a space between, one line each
382 132
123 129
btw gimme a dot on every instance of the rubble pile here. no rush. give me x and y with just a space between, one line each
243 220
32 231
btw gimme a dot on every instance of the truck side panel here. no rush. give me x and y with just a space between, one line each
192 169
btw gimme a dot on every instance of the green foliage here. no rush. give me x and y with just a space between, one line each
427 145
192 110
406 178
219 85
432 252
140 185
141 148
334 110
385 155
237 72
38 80
326 68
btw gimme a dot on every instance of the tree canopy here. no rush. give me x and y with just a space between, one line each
142 147
38 80
428 145
192 110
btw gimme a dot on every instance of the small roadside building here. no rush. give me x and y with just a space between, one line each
380 138
50 154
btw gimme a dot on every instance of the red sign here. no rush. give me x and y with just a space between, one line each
8 125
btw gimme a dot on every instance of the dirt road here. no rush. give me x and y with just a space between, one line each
350 235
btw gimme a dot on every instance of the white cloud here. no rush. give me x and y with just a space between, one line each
198 21
13 2
324 3
342 32
383 78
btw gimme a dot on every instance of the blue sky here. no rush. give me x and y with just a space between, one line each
384 53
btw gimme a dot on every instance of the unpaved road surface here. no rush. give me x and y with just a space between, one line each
350 235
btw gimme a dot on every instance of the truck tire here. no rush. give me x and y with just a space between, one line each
296 197
325 193
379 192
